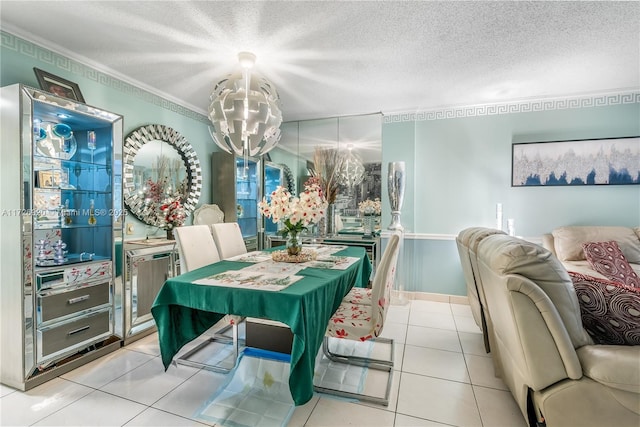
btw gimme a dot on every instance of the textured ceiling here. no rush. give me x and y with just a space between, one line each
340 58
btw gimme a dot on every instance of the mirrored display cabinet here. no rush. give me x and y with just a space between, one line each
273 178
238 186
237 189
61 205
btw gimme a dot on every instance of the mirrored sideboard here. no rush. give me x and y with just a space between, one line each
370 244
147 265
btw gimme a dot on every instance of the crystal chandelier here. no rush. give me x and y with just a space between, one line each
351 170
245 112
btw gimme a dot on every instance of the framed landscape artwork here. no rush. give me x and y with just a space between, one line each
609 161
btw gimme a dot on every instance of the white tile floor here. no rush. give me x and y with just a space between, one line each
443 377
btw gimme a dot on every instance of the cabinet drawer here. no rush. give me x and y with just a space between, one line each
62 304
69 334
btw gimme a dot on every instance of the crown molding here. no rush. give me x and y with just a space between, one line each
527 106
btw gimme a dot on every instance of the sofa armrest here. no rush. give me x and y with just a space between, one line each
615 366
547 243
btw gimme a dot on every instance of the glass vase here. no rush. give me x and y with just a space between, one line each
170 234
329 221
294 244
396 180
368 224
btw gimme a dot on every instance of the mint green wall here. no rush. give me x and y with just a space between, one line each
138 107
461 167
470 160
398 144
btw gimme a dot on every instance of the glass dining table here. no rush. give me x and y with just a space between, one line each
184 309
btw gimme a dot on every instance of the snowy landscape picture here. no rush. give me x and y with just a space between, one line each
612 161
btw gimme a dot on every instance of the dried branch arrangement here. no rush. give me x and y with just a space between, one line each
326 165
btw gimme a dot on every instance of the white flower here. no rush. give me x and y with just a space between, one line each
370 206
306 209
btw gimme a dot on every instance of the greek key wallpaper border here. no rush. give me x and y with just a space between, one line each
61 62
586 101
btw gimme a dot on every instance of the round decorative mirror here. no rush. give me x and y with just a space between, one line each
160 167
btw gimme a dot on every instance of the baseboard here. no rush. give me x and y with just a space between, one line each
428 296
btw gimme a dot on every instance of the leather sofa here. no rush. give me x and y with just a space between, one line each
556 374
566 244
467 242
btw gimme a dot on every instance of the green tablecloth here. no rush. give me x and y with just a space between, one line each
183 310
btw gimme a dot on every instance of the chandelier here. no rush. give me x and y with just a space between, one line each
245 112
351 171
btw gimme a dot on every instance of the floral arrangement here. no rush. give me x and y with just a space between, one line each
174 214
314 180
155 191
370 207
164 205
296 213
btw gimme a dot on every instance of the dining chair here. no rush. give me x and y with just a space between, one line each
360 295
228 238
229 241
260 333
196 249
364 323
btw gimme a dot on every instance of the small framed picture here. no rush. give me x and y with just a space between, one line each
49 179
58 86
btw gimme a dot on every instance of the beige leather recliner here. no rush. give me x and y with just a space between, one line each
467 241
550 364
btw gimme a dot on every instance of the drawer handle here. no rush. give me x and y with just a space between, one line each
78 299
84 328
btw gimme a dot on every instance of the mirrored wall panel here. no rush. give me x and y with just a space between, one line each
349 148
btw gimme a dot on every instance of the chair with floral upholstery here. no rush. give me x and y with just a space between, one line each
364 322
196 249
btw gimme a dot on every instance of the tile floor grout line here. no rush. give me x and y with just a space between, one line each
177 385
473 391
310 412
426 419
70 403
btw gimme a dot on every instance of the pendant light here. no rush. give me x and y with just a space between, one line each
245 111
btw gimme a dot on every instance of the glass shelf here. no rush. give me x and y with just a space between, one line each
81 191
73 190
55 162
65 227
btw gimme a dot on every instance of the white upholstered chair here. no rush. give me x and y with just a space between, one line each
228 238
364 322
197 248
